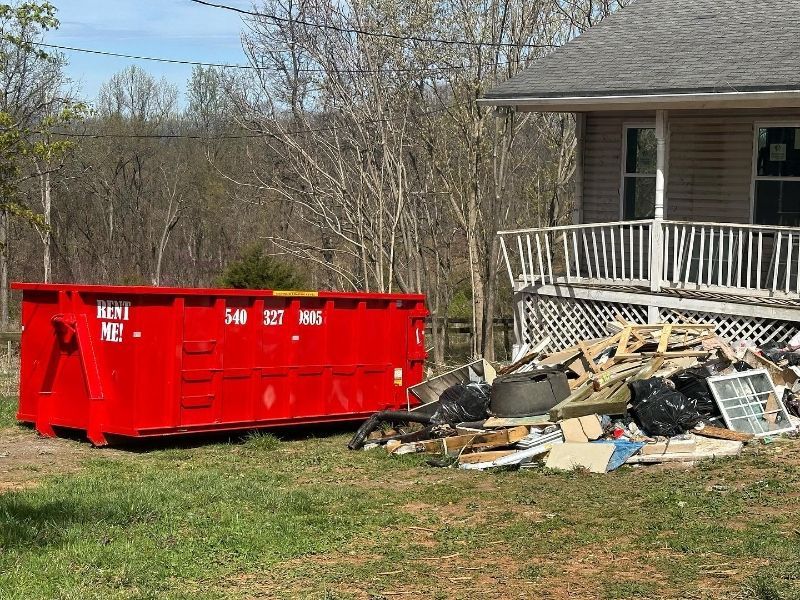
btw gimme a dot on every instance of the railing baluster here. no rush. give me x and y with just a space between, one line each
739 259
788 262
665 265
759 256
539 257
710 268
622 250
577 257
632 258
776 263
749 258
566 254
701 255
679 277
530 258
730 256
798 271
721 253
546 236
641 252
522 260
596 258
605 252
508 262
613 253
588 254
690 256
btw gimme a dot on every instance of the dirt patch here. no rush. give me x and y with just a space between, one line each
26 457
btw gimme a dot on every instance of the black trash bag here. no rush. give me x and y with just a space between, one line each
741 366
775 354
692 384
661 410
792 403
642 388
463 402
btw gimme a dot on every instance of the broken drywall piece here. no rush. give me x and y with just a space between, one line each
569 456
582 429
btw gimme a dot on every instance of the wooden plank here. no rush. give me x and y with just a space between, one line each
456 444
538 421
720 433
622 347
688 353
479 457
588 356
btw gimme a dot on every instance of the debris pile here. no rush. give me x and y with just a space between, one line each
670 392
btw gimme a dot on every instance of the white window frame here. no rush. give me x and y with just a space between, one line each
755 176
624 163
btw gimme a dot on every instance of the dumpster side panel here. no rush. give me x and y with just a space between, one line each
139 362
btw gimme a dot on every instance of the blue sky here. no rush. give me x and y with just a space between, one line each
165 28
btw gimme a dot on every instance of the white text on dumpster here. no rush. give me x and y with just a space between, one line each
112 313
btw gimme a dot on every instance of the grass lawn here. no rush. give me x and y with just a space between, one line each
306 518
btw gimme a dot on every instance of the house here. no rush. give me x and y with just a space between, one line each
687 191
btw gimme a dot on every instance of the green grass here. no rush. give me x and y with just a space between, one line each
305 518
8 411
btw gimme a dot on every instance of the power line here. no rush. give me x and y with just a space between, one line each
179 61
366 32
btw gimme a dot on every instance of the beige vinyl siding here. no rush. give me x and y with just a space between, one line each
602 158
709 170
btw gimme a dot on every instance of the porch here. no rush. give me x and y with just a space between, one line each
568 281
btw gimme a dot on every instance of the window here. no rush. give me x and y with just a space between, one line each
777 180
639 176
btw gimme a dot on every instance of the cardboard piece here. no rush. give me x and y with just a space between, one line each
569 456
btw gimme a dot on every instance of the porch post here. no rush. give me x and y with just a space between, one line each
661 161
580 133
656 229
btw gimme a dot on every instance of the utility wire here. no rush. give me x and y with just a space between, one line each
367 32
178 61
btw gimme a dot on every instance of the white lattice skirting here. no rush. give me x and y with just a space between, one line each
568 320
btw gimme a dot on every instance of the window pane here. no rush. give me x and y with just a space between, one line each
779 152
641 151
640 198
778 203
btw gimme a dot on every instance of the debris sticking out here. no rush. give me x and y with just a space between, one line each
646 394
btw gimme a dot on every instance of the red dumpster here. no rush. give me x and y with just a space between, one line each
142 361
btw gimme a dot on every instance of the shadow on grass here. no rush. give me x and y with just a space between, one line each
29 521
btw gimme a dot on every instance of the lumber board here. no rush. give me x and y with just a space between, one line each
479 457
720 433
495 439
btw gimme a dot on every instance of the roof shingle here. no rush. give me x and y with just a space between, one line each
672 47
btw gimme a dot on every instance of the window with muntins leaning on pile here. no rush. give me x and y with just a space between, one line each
776 190
639 173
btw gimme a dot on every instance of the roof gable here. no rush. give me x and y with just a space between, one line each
655 47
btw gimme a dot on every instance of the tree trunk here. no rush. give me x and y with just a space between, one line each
4 270
47 238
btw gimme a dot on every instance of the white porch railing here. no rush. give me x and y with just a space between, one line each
745 259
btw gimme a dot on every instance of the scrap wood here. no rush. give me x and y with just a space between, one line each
490 456
535 352
537 421
670 354
721 433
706 448
459 443
779 375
